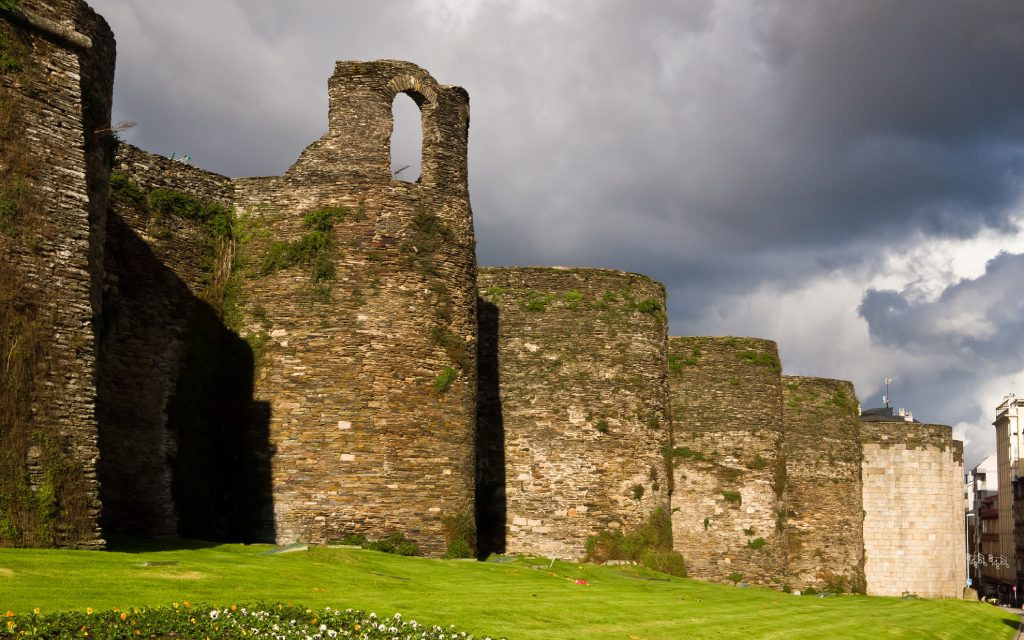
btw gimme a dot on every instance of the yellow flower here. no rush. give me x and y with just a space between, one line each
88 611
187 605
9 614
234 607
124 615
174 604
36 611
10 624
357 627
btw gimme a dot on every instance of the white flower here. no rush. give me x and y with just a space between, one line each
323 627
214 614
332 633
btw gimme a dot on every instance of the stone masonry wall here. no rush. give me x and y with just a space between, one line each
577 404
368 339
158 266
823 484
913 510
726 400
55 90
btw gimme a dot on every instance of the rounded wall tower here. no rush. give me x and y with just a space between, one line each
360 303
729 467
824 491
571 415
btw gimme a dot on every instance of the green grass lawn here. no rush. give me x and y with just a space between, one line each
521 598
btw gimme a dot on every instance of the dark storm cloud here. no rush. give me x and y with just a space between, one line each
718 145
974 322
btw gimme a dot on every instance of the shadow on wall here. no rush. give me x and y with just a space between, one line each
185 451
490 436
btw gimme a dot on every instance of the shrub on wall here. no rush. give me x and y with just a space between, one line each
650 544
460 534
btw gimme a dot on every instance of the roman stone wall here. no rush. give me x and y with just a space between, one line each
824 516
296 357
366 324
726 403
913 510
572 415
55 90
163 337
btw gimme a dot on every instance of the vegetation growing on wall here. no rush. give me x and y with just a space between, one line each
22 366
845 402
460 535
649 544
676 361
317 249
43 497
443 381
427 234
761 359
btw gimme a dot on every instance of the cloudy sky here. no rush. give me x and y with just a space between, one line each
846 178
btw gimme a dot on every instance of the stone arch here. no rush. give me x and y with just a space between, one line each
425 96
406 140
357 145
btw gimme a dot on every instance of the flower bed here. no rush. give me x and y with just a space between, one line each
189 621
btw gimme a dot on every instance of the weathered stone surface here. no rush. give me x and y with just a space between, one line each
263 381
726 399
913 510
572 414
158 271
355 437
366 348
824 519
53 102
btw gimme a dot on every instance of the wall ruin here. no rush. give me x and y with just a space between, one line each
296 357
369 343
355 294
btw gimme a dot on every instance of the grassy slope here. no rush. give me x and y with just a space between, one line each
515 599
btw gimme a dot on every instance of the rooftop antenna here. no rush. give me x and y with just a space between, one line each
885 396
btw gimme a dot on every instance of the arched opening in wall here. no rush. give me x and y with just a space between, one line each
406 138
